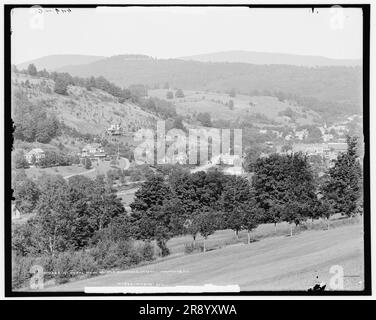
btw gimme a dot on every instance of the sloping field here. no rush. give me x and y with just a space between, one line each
278 263
244 106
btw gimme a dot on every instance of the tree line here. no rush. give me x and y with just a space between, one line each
63 80
136 93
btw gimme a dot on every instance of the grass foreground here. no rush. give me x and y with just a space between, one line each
275 263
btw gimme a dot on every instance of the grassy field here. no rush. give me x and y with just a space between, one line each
97 168
274 263
36 172
215 104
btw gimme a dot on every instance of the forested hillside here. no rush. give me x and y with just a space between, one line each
328 90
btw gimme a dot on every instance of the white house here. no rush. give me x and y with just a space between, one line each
35 154
94 150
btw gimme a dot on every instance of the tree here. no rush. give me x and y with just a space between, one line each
252 216
94 205
27 239
252 154
205 119
49 160
87 163
149 104
168 224
152 212
54 213
232 93
294 212
207 223
32 70
42 134
179 93
231 104
195 192
284 187
32 121
170 95
234 199
192 226
26 194
314 135
324 208
274 214
19 160
178 123
343 186
61 85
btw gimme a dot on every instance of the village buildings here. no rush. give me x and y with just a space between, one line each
93 151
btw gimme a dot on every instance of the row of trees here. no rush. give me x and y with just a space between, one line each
283 189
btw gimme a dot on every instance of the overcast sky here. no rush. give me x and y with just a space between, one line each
173 32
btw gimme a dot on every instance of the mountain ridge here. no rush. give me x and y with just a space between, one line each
257 57
56 61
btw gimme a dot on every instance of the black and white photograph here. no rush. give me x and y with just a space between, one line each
187 150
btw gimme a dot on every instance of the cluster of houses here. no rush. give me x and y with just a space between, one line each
327 132
327 151
93 151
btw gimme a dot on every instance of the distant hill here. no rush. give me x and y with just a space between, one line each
333 85
54 62
271 58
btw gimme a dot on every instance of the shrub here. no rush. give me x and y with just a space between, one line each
170 95
121 254
21 271
62 267
68 265
147 251
193 247
87 164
